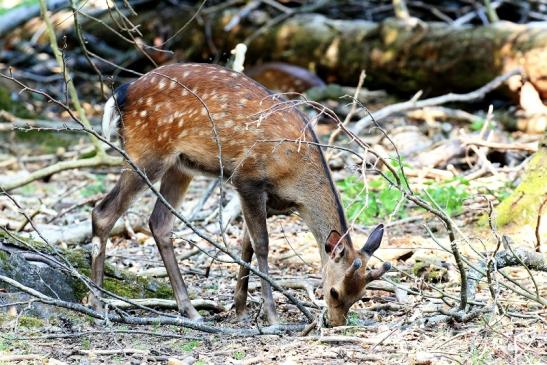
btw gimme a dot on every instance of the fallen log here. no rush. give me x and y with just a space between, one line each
434 57
524 205
506 258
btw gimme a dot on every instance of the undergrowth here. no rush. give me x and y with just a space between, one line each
379 199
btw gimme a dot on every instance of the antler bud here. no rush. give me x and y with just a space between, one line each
357 263
377 273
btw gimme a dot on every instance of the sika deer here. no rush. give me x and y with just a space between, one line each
172 121
284 77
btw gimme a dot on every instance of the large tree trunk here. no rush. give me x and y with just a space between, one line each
523 205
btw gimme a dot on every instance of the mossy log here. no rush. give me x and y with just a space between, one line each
35 265
434 57
431 270
523 205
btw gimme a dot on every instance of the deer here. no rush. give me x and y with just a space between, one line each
284 77
183 120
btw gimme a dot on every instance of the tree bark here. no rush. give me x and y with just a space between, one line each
436 58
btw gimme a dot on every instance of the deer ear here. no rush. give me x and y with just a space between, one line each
374 240
332 241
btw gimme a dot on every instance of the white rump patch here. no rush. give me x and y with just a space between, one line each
110 117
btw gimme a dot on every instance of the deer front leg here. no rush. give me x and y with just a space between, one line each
253 206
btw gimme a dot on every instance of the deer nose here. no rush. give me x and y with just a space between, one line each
336 318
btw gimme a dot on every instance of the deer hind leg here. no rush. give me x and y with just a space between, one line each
253 206
105 215
242 286
173 187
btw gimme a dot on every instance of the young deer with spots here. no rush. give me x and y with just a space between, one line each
179 121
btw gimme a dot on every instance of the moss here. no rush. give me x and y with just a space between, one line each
164 291
133 286
79 288
40 246
118 281
522 206
430 271
4 257
22 321
30 322
419 267
121 288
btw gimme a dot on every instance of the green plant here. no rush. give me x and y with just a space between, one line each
6 6
476 125
365 208
118 359
502 192
380 200
367 205
4 344
480 357
449 197
200 362
190 345
239 355
353 319
29 189
86 344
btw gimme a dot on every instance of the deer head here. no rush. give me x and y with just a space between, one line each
345 277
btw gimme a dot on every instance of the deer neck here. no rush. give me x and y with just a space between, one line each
322 210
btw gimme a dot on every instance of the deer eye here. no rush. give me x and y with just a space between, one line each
334 294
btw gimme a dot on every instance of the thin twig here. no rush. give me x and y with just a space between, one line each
160 320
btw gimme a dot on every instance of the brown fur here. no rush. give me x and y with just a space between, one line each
284 77
178 120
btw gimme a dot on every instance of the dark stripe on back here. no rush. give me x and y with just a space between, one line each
120 95
339 207
120 98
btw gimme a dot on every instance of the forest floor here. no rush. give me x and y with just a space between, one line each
457 157
380 328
